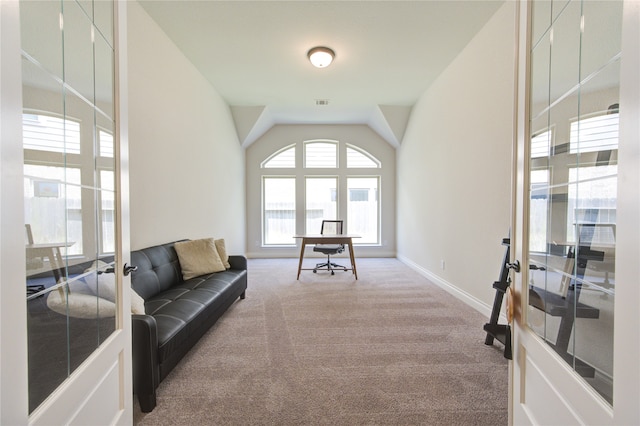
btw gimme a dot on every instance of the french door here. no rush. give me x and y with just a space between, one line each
70 339
576 215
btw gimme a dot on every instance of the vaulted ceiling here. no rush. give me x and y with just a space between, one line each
255 55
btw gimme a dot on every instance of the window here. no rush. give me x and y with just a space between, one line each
599 133
321 154
107 211
53 190
363 208
541 144
283 159
321 202
48 133
53 195
592 197
326 192
106 143
356 158
538 210
279 208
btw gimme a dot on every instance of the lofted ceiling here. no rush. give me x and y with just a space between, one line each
387 55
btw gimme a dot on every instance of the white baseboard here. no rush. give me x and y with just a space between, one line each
462 295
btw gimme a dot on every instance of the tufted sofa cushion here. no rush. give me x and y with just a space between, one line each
158 270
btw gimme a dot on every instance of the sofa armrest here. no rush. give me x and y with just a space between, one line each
146 371
238 262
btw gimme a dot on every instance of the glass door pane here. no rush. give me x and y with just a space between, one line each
69 192
573 183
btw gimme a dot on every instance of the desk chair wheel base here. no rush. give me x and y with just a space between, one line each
329 266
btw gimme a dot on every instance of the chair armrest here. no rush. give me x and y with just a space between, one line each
146 371
238 262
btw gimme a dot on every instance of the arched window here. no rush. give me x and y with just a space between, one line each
283 159
359 158
321 154
332 189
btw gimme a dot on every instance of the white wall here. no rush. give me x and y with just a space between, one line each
280 136
454 167
187 165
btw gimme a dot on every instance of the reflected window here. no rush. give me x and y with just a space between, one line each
594 134
48 133
541 144
53 195
538 210
107 212
105 140
592 197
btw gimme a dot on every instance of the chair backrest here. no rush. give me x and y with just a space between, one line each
29 233
331 227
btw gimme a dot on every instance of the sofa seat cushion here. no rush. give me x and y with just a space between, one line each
180 310
218 281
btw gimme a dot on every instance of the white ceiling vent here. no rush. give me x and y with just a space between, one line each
322 101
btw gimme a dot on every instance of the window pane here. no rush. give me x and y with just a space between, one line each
106 144
46 133
541 145
592 197
107 211
321 154
52 196
538 210
285 159
363 209
357 158
594 134
321 202
279 210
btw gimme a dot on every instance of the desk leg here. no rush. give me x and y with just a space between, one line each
353 258
304 243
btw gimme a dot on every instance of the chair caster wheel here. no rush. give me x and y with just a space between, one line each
315 272
333 273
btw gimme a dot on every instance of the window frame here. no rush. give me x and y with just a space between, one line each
341 173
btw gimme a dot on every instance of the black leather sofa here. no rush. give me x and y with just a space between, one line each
177 313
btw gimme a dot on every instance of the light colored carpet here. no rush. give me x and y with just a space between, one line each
388 349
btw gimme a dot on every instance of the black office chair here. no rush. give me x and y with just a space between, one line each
330 227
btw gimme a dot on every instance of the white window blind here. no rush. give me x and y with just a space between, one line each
53 134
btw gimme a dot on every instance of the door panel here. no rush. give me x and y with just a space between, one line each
75 189
565 215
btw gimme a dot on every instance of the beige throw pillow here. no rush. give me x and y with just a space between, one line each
198 257
137 303
222 252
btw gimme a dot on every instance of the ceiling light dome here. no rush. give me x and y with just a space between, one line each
320 56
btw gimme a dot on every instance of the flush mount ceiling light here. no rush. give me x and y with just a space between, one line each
321 56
